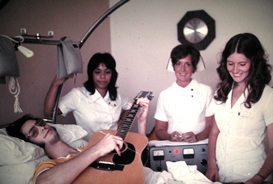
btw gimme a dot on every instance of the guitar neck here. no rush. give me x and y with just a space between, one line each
128 121
126 124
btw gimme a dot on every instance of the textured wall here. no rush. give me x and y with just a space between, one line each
144 32
66 18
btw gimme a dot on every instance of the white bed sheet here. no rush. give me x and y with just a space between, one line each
18 159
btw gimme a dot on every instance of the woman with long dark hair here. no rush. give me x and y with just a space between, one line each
242 107
97 105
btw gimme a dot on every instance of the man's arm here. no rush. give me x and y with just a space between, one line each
51 96
142 114
63 173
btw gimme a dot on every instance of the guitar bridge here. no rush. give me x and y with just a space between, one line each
107 166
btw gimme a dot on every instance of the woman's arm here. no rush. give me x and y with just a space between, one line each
212 171
267 167
161 130
51 96
63 173
205 133
191 137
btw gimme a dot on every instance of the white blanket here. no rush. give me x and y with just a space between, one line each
178 173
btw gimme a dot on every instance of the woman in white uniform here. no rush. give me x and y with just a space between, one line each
97 105
181 113
243 107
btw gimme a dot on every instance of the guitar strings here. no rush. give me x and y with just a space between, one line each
133 150
102 132
127 147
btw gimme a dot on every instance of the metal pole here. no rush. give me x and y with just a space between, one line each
97 23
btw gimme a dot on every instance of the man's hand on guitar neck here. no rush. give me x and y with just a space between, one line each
142 114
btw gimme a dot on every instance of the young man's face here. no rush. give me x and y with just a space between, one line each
38 132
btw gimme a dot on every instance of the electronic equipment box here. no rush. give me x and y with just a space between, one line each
193 154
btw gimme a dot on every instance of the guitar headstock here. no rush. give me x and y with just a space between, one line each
144 94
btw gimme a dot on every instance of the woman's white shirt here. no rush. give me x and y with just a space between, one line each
185 109
93 112
240 149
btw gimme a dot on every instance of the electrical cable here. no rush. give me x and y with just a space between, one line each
14 88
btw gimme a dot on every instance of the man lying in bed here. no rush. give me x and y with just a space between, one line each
35 130
59 170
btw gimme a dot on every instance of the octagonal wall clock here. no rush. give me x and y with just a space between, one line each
196 28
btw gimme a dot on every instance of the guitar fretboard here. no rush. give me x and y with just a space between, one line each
125 126
128 121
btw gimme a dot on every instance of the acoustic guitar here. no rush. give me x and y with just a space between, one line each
113 168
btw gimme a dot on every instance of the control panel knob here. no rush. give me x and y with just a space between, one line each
204 162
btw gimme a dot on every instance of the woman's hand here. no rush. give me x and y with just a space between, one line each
57 82
175 136
185 137
212 172
51 96
188 137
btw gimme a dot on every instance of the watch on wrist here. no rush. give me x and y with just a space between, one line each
261 176
197 137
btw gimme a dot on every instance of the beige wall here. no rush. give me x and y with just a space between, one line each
66 18
143 33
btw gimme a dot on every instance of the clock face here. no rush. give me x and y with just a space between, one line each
195 30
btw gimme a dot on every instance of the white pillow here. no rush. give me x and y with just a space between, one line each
70 133
18 159
15 151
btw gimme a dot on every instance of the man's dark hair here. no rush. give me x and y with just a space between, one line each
14 129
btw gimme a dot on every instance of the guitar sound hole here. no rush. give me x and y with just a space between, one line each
124 147
127 156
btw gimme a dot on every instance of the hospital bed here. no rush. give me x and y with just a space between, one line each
19 159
